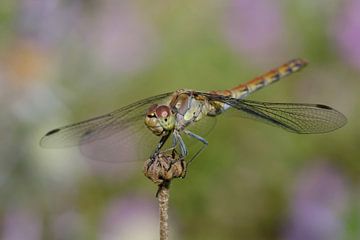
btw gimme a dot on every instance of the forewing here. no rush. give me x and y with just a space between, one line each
116 131
294 117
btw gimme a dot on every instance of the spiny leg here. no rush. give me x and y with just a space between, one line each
202 140
183 150
158 147
162 142
177 139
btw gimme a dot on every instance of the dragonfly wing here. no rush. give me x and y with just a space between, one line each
294 117
135 143
116 127
123 119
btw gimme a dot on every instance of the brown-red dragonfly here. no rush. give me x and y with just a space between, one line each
173 114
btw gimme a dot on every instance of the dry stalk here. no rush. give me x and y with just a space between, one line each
161 170
163 198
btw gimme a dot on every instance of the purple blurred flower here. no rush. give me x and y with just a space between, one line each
131 218
115 34
47 22
19 224
69 225
318 202
29 59
347 33
121 38
254 29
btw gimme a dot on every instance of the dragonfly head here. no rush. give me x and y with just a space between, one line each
159 119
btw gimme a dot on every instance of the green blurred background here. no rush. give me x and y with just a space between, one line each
65 61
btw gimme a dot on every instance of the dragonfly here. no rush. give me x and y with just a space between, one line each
171 115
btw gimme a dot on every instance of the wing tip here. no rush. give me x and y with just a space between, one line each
341 118
324 106
51 132
43 141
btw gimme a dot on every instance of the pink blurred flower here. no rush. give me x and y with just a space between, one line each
46 22
131 218
347 33
121 38
254 28
318 202
69 225
19 224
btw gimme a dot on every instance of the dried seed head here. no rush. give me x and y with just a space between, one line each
164 167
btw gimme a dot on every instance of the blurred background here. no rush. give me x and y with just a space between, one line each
65 61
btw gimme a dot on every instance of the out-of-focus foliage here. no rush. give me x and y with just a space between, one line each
64 61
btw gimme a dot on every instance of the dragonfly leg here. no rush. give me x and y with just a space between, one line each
174 153
174 160
178 139
161 143
158 147
202 140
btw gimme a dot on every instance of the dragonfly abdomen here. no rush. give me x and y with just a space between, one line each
268 78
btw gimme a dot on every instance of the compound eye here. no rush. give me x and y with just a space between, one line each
162 111
151 111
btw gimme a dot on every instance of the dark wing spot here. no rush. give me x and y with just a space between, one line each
52 132
323 106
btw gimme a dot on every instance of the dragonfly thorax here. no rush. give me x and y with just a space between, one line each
159 119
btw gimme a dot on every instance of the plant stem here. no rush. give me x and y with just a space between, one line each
161 169
163 195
